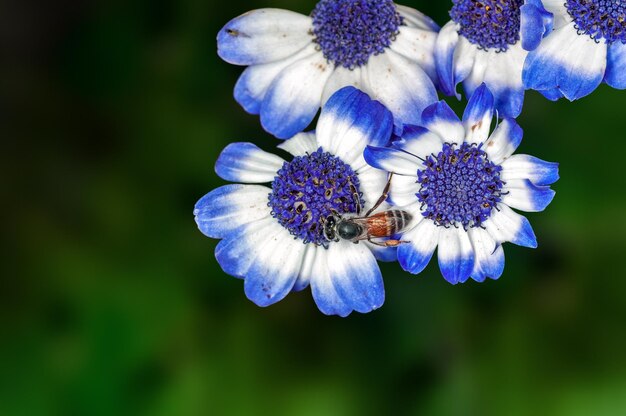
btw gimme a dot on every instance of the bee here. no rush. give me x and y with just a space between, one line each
358 228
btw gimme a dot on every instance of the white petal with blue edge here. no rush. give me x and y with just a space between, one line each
422 241
351 120
276 266
294 97
507 225
245 162
263 35
228 207
455 254
489 256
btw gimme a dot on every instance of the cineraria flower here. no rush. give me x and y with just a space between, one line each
296 62
274 238
481 44
576 45
460 184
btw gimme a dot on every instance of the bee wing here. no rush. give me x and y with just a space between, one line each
363 222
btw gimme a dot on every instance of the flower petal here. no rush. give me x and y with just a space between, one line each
371 184
275 268
440 119
584 70
560 15
415 255
349 121
343 77
386 254
502 73
503 141
489 262
404 88
263 35
228 207
507 225
465 56
481 66
445 47
535 23
403 190
324 293
536 170
504 79
415 18
295 95
245 162
574 63
236 253
308 267
392 160
552 94
478 114
252 85
300 144
356 276
455 254
419 141
615 74
418 46
523 195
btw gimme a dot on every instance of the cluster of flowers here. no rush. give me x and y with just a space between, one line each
391 173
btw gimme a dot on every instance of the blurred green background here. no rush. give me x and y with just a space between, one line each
113 114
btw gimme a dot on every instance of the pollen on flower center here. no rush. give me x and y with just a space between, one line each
349 31
490 24
306 190
459 186
600 19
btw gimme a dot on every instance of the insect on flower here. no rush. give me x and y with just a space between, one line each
380 225
275 237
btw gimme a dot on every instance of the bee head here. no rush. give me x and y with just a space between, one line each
330 223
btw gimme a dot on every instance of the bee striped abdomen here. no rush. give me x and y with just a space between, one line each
387 223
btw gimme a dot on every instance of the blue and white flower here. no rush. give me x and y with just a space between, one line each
273 237
481 44
460 183
576 44
296 62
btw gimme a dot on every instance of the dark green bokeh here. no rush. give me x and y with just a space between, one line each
113 303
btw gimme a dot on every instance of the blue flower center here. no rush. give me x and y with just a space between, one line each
600 19
308 189
490 24
459 186
349 31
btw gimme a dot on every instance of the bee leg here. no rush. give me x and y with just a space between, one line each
357 198
382 198
388 243
395 243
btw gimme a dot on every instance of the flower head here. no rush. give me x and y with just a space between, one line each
309 188
575 45
296 62
490 24
460 183
273 237
481 44
349 32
